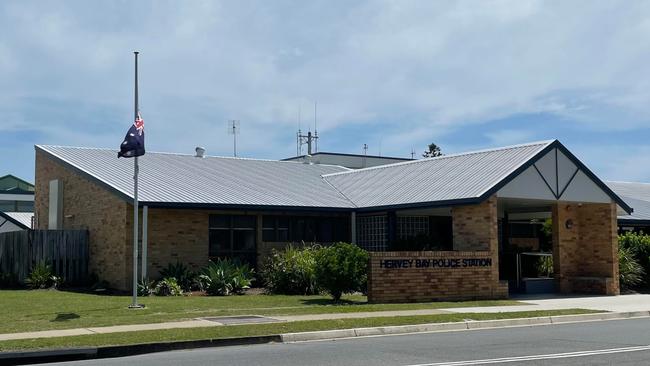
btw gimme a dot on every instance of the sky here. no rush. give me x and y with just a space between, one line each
395 75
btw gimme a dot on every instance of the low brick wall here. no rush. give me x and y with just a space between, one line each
432 276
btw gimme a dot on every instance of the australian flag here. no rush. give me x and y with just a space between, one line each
133 144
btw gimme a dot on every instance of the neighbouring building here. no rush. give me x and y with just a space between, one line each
448 227
15 221
636 195
16 195
352 161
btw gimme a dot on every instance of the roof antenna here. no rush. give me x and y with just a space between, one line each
315 126
233 129
365 152
309 139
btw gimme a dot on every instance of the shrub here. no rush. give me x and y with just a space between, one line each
639 246
168 287
341 268
42 277
146 288
291 271
545 266
185 278
226 277
630 272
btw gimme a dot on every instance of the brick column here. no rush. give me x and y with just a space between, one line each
475 228
585 248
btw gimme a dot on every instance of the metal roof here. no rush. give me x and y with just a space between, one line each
19 218
636 195
446 178
351 155
186 180
183 180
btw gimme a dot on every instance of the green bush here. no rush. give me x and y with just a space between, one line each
146 288
545 266
341 268
226 277
291 271
185 278
630 272
168 287
42 277
639 246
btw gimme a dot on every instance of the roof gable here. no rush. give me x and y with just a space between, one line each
474 176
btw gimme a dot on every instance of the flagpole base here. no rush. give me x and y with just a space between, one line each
136 306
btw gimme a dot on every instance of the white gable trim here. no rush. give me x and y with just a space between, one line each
554 177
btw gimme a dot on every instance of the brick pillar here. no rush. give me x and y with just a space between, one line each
585 248
565 242
475 228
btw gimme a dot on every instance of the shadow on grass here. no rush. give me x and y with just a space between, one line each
62 317
332 302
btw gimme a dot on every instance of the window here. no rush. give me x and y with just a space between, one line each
371 233
233 236
410 226
8 206
25 206
310 229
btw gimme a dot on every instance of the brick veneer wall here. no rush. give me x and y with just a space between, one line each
433 283
173 236
86 205
475 226
585 258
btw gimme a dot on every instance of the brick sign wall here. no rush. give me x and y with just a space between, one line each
428 276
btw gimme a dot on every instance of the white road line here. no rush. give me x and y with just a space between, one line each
538 357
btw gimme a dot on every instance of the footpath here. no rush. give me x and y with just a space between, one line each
616 304
612 307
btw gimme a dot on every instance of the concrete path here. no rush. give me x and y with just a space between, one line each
626 303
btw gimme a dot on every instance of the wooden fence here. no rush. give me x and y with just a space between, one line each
65 250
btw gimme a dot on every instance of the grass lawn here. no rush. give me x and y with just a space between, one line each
34 310
261 329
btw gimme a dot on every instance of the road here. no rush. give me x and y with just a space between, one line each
621 342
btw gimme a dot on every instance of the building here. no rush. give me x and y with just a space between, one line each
16 195
437 228
636 195
352 161
15 221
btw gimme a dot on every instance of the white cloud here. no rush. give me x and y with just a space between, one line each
432 66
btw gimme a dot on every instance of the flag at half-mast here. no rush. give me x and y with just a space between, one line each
133 144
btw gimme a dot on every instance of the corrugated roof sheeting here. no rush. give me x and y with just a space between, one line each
25 218
637 195
178 178
445 178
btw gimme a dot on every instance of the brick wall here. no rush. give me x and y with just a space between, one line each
585 255
475 226
86 205
432 283
173 236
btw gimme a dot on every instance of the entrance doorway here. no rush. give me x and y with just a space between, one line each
526 248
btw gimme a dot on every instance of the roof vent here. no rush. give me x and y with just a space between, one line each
307 160
199 152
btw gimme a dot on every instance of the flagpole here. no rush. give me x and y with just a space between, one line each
134 304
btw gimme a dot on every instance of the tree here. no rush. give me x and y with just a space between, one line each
433 151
